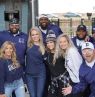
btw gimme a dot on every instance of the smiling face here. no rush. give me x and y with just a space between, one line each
43 21
81 34
14 28
63 43
8 51
35 36
50 45
88 54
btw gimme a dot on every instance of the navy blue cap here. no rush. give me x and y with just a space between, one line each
82 27
14 21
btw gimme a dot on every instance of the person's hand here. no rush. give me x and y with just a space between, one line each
2 95
87 38
67 90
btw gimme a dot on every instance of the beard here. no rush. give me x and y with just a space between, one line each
14 31
43 27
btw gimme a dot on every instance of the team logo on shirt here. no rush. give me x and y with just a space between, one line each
21 40
13 67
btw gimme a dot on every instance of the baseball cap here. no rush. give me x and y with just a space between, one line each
51 36
88 45
82 27
14 21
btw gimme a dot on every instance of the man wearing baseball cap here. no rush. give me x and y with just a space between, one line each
19 38
86 72
14 26
81 36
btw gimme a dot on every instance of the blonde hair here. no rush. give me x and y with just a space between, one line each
31 42
60 52
13 56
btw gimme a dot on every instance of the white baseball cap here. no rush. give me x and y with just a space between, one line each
87 45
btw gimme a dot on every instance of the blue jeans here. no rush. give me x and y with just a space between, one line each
36 85
17 86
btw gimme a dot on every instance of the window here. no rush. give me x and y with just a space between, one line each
9 15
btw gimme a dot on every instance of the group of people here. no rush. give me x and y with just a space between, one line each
48 61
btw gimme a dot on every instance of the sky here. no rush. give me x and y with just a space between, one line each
62 6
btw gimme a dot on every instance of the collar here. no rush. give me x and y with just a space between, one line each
15 33
91 64
44 31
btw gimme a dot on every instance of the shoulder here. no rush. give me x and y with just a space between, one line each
24 35
72 50
4 32
2 61
73 38
53 26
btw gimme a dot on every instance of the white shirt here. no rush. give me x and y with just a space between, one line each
44 31
91 64
79 42
73 62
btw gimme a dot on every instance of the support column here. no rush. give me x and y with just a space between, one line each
33 12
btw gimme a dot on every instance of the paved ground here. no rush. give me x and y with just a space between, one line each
27 95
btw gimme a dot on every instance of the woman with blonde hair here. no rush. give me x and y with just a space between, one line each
10 72
73 59
35 67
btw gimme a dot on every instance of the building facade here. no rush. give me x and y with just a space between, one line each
24 10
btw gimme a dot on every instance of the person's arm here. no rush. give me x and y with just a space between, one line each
74 63
80 87
2 77
87 38
45 58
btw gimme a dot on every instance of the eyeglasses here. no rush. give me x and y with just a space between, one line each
87 51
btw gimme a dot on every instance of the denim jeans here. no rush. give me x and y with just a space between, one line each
17 86
36 84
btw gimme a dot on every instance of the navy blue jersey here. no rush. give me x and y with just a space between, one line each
8 73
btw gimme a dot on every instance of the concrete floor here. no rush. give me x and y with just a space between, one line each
26 94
